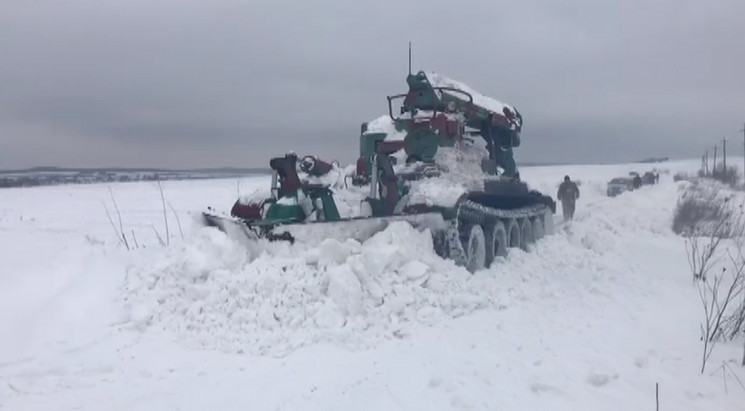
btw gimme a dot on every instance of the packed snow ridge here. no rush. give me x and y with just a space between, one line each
214 293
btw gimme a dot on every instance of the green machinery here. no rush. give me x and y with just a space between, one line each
437 112
291 200
479 226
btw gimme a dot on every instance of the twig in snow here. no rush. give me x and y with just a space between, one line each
135 239
734 374
119 215
165 215
119 236
113 226
178 221
726 368
157 234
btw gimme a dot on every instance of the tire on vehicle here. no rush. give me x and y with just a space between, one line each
475 248
526 233
514 237
538 230
496 242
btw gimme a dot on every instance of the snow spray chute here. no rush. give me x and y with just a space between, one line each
422 166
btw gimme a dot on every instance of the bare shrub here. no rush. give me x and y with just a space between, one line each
120 232
718 293
729 176
681 176
704 209
713 229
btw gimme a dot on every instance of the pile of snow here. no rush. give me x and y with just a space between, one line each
256 196
336 178
463 173
489 103
592 318
385 124
212 294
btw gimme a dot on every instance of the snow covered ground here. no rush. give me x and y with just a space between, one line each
591 319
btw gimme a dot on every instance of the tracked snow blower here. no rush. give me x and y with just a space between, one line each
443 163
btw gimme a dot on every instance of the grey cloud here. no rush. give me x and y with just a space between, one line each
190 83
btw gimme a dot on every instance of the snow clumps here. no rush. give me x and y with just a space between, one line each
210 293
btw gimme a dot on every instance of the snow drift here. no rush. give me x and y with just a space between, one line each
592 318
212 293
275 298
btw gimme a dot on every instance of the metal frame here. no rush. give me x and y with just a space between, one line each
434 98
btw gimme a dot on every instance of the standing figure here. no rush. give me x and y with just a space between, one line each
568 195
500 141
637 181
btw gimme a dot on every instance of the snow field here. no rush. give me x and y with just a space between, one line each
591 318
212 293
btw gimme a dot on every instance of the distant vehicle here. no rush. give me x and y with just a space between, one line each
619 185
649 178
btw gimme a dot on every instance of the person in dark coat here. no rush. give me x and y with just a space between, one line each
637 181
568 195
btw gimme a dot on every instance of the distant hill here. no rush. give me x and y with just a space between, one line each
655 160
217 170
45 176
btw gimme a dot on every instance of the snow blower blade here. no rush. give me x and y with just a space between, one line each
231 226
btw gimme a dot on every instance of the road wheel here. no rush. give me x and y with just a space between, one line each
475 248
514 237
526 231
496 242
538 231
548 222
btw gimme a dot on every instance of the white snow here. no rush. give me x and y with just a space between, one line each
385 124
257 196
489 103
209 294
591 318
463 165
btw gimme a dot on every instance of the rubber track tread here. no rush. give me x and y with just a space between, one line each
470 212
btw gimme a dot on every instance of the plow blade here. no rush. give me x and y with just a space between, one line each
232 227
359 228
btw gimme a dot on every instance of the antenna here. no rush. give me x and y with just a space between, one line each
409 56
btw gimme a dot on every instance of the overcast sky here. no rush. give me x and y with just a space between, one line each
194 83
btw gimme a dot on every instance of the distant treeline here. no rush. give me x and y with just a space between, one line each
46 176
218 170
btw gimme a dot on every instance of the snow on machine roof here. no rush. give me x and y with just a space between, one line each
489 103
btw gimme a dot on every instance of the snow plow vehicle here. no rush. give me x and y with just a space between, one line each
443 163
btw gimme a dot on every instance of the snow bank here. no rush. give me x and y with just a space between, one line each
592 318
356 295
212 294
